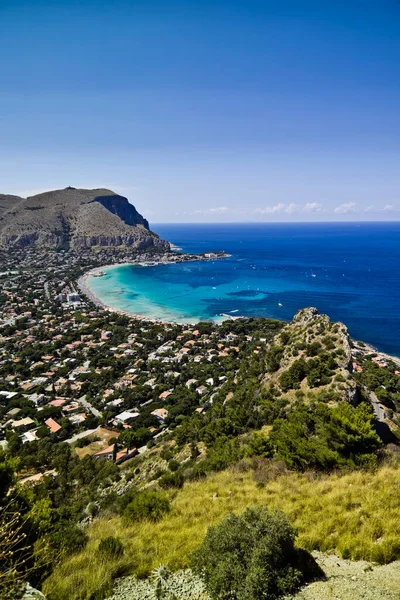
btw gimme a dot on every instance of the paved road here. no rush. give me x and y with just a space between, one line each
78 436
88 406
380 411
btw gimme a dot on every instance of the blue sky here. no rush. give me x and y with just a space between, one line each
245 110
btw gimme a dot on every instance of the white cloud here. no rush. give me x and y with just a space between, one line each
347 207
388 208
218 209
271 210
312 207
289 209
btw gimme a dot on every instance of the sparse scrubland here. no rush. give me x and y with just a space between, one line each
355 514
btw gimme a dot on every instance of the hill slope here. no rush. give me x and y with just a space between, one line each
76 219
7 201
311 355
331 514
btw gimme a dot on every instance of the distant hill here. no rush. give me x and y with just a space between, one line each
8 201
76 219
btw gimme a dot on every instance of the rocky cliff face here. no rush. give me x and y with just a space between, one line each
76 219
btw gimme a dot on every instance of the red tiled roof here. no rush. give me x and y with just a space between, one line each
53 425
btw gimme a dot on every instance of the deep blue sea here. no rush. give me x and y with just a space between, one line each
349 271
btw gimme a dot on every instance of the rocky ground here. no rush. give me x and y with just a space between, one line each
345 580
353 580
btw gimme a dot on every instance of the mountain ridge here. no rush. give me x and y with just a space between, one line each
77 219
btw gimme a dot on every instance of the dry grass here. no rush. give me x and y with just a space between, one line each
355 514
105 436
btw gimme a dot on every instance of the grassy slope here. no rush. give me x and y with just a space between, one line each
357 513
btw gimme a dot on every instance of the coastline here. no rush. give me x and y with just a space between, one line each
173 258
82 284
86 290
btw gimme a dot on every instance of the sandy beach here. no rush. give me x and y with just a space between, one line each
82 284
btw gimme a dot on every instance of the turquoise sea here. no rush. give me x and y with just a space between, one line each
349 271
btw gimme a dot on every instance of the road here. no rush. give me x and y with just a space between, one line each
78 436
380 411
88 406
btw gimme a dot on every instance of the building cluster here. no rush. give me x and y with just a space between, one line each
69 368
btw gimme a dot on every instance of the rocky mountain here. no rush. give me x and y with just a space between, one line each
77 219
7 201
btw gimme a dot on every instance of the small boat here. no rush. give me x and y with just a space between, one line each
280 304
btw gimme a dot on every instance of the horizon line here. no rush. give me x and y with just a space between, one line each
348 222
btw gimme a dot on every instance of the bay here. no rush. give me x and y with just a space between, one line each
350 271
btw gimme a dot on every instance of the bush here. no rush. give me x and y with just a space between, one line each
324 438
147 505
173 465
111 547
252 556
171 480
259 445
273 358
265 470
157 474
291 378
68 538
86 441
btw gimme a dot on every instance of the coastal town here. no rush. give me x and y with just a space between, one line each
77 373
80 374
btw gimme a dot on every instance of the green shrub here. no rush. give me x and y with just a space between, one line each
273 358
158 473
252 556
147 505
259 445
285 337
291 378
322 437
86 441
111 547
173 465
313 349
171 480
68 538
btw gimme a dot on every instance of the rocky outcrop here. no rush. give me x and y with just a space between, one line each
77 219
32 594
313 336
118 205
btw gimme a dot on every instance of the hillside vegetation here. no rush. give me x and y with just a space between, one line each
312 354
282 421
355 514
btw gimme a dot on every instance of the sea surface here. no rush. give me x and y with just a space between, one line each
349 271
